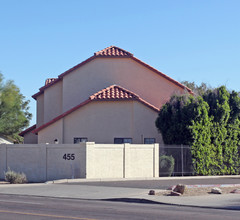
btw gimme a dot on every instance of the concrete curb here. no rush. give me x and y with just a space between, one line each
148 201
132 179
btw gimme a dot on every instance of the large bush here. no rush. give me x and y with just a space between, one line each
210 124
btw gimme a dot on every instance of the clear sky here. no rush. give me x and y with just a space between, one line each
194 40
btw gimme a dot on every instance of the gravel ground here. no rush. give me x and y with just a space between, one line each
198 191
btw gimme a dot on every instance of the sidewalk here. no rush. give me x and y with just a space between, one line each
226 201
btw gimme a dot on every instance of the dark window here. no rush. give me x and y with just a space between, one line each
78 140
149 140
122 140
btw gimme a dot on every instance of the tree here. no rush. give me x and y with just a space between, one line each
210 124
14 115
176 117
197 89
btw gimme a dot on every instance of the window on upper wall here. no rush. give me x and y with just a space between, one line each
149 140
77 140
122 140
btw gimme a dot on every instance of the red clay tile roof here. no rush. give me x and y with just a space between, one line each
27 130
50 80
111 93
118 93
113 51
41 90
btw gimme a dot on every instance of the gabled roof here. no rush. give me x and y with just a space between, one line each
114 92
110 52
27 130
111 93
113 51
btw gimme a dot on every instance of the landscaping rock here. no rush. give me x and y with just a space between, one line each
151 192
216 190
180 188
173 193
237 191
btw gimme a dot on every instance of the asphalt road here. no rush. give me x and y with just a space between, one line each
160 184
35 208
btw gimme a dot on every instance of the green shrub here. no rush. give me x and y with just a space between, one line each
166 165
14 177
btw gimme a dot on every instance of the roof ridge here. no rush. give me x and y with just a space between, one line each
120 87
113 51
114 94
130 55
92 98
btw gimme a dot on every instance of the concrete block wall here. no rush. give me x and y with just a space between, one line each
43 162
122 160
142 160
104 160
66 161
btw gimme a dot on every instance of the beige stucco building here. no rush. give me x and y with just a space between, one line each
112 97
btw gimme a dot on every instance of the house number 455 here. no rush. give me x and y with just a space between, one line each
69 156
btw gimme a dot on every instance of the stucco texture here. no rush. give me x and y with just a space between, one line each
44 162
102 121
103 72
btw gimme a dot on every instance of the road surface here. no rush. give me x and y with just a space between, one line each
36 208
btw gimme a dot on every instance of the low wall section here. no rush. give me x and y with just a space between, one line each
85 160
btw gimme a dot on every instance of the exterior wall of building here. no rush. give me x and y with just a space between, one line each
102 121
85 160
103 72
132 120
144 124
40 110
30 138
51 133
53 101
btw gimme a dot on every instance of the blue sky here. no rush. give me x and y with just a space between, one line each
186 39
